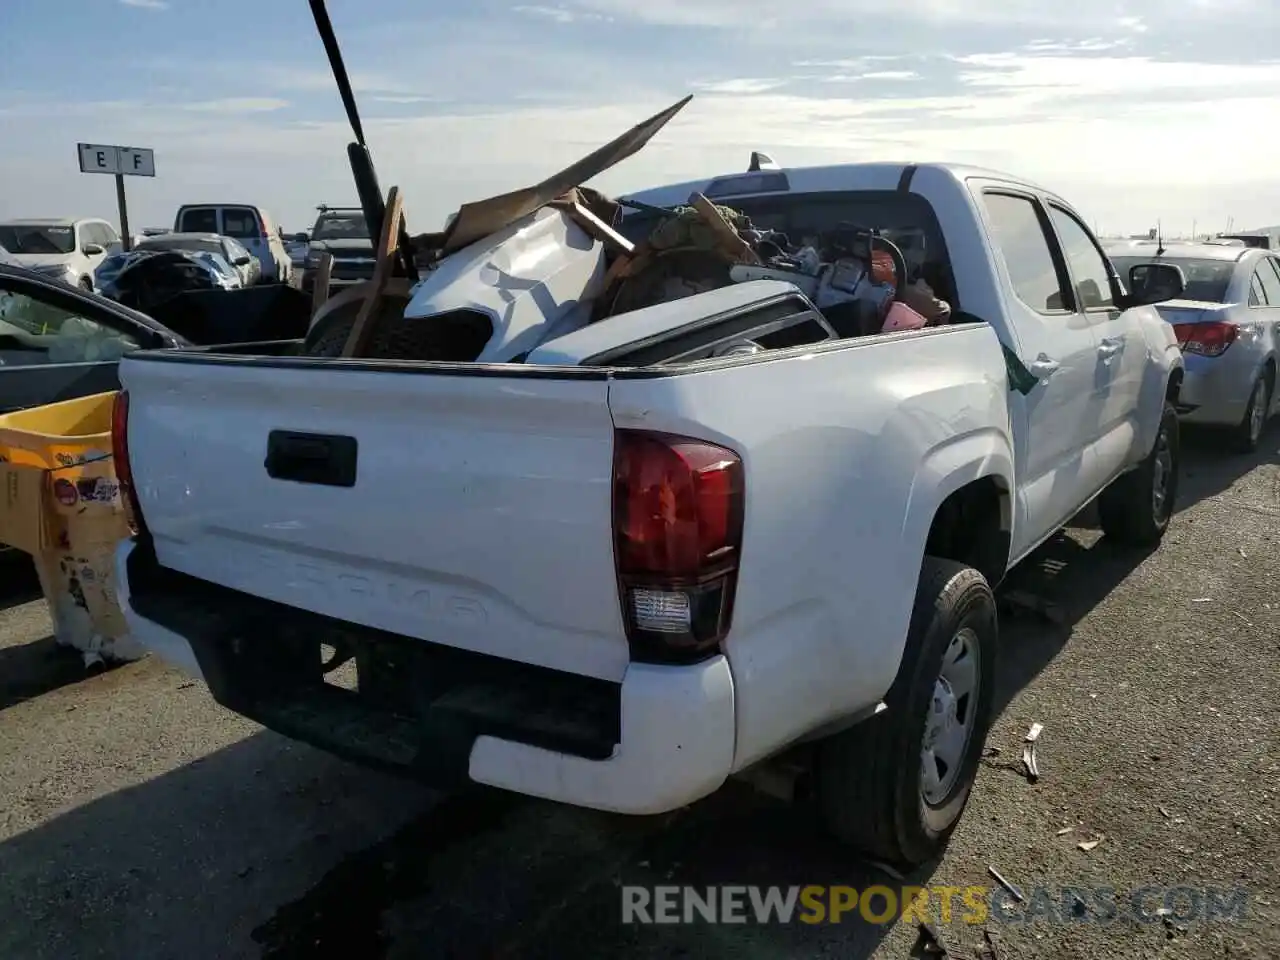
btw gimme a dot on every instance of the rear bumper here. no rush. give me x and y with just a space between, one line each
1215 390
662 738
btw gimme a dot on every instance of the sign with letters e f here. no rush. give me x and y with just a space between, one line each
108 158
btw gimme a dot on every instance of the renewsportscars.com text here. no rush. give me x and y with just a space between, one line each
975 905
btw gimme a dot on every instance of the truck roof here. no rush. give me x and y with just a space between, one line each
825 179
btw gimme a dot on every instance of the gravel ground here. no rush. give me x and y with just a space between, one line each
139 820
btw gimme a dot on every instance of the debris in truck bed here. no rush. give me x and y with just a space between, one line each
858 277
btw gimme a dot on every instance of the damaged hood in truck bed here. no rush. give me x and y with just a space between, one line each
475 221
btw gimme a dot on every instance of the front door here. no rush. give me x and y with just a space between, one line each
1051 435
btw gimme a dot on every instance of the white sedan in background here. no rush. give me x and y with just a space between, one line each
1228 324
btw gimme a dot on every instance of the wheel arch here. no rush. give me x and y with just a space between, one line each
962 503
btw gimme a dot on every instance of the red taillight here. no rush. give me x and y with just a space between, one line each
677 515
120 459
1209 339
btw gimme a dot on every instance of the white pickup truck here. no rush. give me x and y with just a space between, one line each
624 569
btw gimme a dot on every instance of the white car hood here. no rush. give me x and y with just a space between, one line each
35 261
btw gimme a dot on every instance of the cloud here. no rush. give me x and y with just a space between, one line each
873 75
1009 111
147 4
559 14
756 15
1134 75
402 99
1077 96
236 105
741 85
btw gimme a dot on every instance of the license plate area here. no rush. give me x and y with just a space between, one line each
395 701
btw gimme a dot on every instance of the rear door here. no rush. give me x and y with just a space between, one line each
1120 362
1052 434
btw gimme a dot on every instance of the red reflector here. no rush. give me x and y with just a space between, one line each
120 459
1209 339
677 505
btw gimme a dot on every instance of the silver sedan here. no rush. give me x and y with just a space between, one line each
1227 321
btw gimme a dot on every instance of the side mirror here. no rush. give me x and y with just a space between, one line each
302 238
92 249
242 261
1153 283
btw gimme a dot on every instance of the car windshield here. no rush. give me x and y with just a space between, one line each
197 244
347 226
37 238
1207 280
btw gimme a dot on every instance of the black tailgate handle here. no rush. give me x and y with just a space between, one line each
318 458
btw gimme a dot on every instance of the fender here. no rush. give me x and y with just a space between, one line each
1164 360
953 464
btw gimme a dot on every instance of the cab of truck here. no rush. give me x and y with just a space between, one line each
250 225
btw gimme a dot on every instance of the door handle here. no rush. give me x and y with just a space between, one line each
1042 367
1110 346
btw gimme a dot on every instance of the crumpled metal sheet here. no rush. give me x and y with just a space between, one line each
484 217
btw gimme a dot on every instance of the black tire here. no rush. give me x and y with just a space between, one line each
869 781
1127 510
86 283
1247 433
393 338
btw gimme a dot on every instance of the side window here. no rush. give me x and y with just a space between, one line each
1024 246
240 222
108 232
199 220
1257 298
34 331
1270 282
1088 268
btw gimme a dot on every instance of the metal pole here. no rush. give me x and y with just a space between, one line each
126 238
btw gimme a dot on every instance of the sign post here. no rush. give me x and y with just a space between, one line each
121 162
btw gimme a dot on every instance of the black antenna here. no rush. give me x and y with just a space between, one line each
330 40
1159 240
372 201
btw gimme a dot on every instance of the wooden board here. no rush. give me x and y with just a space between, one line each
388 243
320 288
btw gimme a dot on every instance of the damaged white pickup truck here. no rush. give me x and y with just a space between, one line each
719 533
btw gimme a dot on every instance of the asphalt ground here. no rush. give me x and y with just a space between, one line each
140 820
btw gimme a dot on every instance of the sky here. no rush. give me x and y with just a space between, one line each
1136 111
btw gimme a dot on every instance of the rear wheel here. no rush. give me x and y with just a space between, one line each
1136 508
86 283
1248 432
895 786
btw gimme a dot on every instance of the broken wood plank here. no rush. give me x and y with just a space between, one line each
388 243
320 285
595 227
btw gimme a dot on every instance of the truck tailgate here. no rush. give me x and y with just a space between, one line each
479 515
